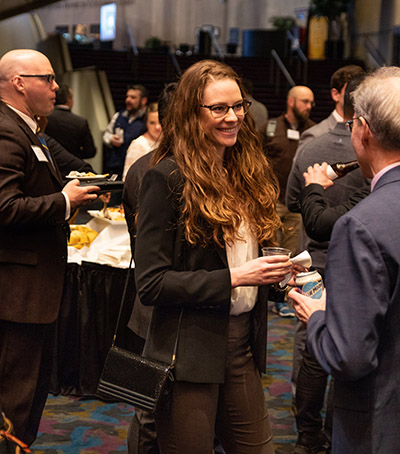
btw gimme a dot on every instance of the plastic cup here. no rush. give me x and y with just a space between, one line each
272 250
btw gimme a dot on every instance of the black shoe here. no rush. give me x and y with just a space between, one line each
311 443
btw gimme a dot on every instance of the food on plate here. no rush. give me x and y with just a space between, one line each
81 235
110 214
76 174
115 214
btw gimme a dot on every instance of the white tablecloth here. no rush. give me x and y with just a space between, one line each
110 247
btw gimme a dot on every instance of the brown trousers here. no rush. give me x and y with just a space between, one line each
236 411
25 371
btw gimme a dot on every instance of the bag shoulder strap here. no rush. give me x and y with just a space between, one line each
271 128
176 339
123 298
121 306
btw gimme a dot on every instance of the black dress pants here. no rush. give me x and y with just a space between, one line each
310 394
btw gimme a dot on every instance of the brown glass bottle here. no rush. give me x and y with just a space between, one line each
340 169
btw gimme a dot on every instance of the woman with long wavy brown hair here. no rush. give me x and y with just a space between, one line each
205 209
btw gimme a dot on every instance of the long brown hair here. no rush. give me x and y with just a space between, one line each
245 188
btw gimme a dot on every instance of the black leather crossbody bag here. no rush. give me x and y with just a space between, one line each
133 379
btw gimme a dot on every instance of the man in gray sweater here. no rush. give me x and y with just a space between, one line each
339 80
307 375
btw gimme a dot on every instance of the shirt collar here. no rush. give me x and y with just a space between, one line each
138 114
381 173
62 107
27 119
294 126
337 117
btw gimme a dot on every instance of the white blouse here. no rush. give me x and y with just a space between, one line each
138 148
243 299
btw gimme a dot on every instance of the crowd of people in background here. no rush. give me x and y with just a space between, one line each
210 179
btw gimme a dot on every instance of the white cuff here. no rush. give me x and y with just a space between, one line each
67 206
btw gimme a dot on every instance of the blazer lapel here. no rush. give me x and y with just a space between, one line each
33 139
52 166
221 251
222 254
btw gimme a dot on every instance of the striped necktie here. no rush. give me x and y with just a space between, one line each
45 147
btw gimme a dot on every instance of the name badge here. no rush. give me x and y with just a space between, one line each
293 134
39 153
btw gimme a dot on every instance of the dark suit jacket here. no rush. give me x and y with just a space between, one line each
171 274
65 160
141 315
358 339
72 132
33 246
318 217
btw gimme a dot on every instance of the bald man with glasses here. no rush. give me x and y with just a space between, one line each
34 209
49 77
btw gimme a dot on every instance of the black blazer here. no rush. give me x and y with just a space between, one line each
72 132
141 315
172 274
65 160
318 216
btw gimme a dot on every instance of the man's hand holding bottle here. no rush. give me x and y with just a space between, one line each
325 173
317 174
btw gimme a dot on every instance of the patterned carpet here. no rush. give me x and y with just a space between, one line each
73 425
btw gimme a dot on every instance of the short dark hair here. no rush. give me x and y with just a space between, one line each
63 94
164 100
344 75
348 105
143 90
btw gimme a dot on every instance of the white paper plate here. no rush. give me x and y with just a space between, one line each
91 177
99 215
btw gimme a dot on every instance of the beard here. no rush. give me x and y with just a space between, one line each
301 117
131 110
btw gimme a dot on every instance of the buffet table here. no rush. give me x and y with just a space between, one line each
88 314
84 330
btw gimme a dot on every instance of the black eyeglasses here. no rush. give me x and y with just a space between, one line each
220 110
349 123
49 77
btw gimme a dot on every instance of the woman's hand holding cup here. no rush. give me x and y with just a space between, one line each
273 251
268 269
